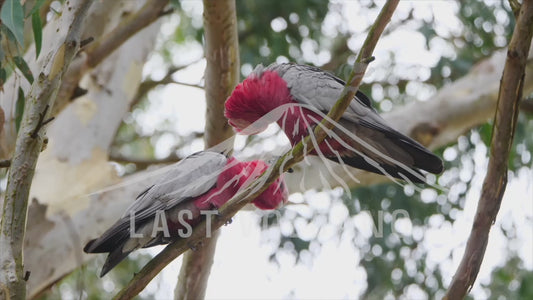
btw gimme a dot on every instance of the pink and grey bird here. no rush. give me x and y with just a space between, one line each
201 182
304 92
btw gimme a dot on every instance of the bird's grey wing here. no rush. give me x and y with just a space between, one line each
192 177
189 178
317 88
320 89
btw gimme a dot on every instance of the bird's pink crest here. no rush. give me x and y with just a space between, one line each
254 97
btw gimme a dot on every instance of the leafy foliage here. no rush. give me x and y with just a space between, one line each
278 28
12 16
12 47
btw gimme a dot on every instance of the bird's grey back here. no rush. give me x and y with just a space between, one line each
190 177
317 88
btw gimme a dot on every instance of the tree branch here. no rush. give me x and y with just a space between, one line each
83 62
28 146
221 76
75 164
227 211
103 47
5 163
143 163
148 85
509 96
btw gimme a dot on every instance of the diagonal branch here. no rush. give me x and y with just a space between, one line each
296 154
147 14
510 93
148 85
143 163
100 49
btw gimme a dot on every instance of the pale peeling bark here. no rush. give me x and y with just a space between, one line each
75 162
112 23
53 64
221 77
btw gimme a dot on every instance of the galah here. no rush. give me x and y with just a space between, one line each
194 187
305 94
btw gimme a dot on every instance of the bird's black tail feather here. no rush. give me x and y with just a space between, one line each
423 158
111 241
114 257
420 157
108 242
391 170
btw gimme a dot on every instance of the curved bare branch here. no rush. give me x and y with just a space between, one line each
510 94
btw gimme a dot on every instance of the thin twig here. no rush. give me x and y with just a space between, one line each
86 42
145 16
6 163
143 163
41 122
296 154
100 49
148 85
502 139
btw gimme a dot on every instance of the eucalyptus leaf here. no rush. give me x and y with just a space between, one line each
19 108
3 76
23 67
12 16
37 32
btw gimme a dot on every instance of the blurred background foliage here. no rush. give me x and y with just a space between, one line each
315 32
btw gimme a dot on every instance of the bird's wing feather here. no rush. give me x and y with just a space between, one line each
192 177
189 178
319 89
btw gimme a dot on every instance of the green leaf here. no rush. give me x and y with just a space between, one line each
1 49
12 16
23 67
19 108
36 7
37 32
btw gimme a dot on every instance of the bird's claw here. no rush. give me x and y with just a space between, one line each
221 216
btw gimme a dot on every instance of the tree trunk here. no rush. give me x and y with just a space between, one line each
221 77
62 215
53 64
